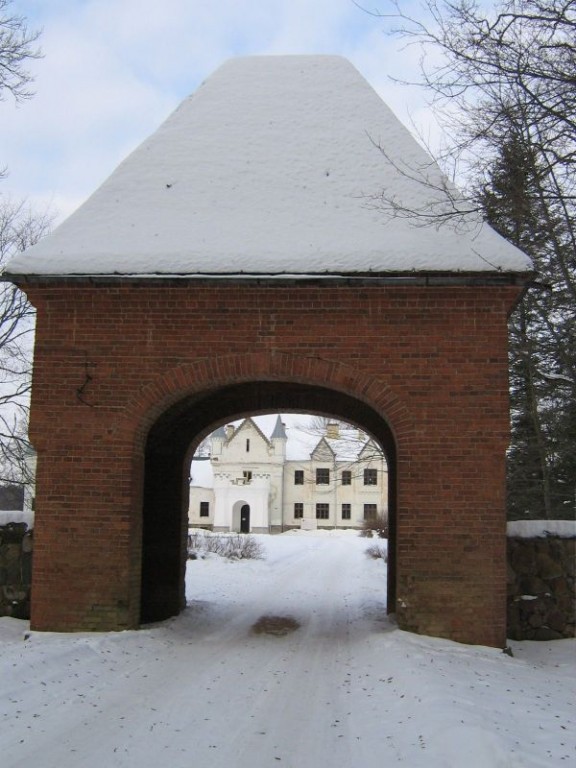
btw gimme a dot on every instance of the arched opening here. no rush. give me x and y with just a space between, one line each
241 518
245 518
170 445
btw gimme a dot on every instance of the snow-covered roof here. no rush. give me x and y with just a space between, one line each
345 449
271 168
246 425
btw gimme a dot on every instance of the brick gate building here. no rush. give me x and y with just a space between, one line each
239 262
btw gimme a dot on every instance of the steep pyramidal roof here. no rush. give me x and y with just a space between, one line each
271 168
279 430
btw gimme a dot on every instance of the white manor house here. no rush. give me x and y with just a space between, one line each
255 488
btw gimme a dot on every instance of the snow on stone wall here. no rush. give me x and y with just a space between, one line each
532 529
17 516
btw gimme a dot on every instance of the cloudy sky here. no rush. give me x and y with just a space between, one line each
113 70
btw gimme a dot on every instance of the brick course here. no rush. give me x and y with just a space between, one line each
127 375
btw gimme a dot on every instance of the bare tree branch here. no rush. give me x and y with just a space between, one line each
502 83
20 228
17 47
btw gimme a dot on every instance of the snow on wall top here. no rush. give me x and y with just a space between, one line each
535 529
271 167
17 516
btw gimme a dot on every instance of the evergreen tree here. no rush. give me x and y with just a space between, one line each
503 80
507 196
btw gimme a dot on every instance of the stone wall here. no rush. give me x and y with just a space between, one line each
541 596
541 582
15 570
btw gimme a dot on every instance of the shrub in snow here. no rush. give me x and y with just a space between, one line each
242 547
234 547
377 551
195 541
378 527
215 545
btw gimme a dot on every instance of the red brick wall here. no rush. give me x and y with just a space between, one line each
111 359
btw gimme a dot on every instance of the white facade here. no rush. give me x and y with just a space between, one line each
257 489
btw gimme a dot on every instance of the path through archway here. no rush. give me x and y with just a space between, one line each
170 444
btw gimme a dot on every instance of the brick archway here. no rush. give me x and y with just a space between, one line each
209 373
184 404
128 373
173 437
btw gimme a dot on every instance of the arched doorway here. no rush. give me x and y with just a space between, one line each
245 518
173 438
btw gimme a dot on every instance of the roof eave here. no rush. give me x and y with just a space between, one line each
413 278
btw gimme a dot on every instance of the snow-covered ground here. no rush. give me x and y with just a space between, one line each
346 689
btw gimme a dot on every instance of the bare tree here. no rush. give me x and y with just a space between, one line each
355 450
502 83
17 47
20 228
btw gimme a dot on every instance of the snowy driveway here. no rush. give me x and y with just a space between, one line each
346 689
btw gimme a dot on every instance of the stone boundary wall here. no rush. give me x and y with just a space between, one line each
541 594
16 541
541 581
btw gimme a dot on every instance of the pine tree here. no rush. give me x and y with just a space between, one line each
507 195
502 80
516 198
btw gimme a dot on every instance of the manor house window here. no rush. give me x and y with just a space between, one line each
298 510
346 477
204 509
322 511
369 511
322 476
370 477
298 477
346 511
